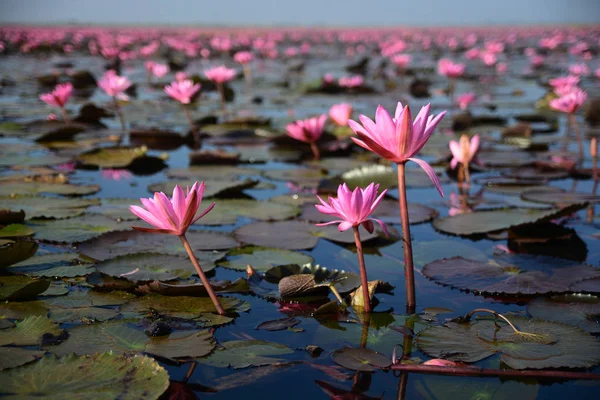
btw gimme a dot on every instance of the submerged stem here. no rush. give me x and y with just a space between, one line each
203 278
65 116
119 113
409 273
363 270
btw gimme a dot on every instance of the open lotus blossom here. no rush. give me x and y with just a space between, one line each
243 57
174 216
401 60
438 362
340 113
114 85
569 80
353 208
464 99
182 91
579 69
450 69
400 138
309 131
570 101
58 98
463 152
159 70
220 74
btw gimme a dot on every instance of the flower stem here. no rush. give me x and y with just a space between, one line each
65 116
363 270
203 278
189 118
248 75
409 273
467 173
315 150
573 123
119 113
221 91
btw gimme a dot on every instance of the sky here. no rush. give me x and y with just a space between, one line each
303 12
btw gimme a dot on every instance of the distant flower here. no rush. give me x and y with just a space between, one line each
159 70
501 68
401 60
353 208
340 113
400 138
472 54
220 74
181 76
173 216
450 69
114 85
328 79
570 80
116 174
59 96
51 117
569 102
537 60
182 91
351 81
489 58
464 151
243 57
464 99
307 130
438 362
579 69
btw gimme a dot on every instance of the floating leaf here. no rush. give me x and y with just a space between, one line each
480 222
360 359
343 281
111 157
113 376
436 387
186 307
226 211
12 252
470 342
426 252
262 258
31 188
115 209
76 229
212 172
82 314
11 357
114 244
46 207
280 324
559 198
64 265
15 230
216 188
517 275
246 353
29 332
20 288
156 266
578 310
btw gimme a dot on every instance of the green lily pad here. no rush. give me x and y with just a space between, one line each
29 332
185 307
111 157
47 207
301 176
426 252
360 359
156 266
117 209
76 229
12 252
32 188
21 288
226 211
113 376
15 230
480 222
82 314
559 197
246 353
503 159
582 311
11 357
433 387
516 275
567 347
120 243
216 188
262 258
63 265
298 235
28 160
22 309
210 172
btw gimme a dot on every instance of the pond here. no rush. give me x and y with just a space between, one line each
93 308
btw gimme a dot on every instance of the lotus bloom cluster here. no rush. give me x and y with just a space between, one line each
400 138
182 91
114 85
340 113
307 130
353 208
220 74
450 69
59 96
569 102
173 216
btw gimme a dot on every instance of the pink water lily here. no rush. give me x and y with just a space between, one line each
353 207
570 101
463 152
59 96
220 74
243 57
173 216
340 113
450 69
114 85
464 99
309 131
182 91
400 138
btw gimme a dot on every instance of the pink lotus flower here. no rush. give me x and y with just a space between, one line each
401 60
570 80
116 174
172 216
463 152
181 76
450 69
353 207
51 117
570 102
340 113
328 79
489 59
400 138
307 130
159 70
243 57
182 91
351 81
501 68
59 96
220 74
114 85
438 362
537 60
472 54
579 69
464 99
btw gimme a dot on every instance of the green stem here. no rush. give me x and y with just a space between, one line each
409 273
363 270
